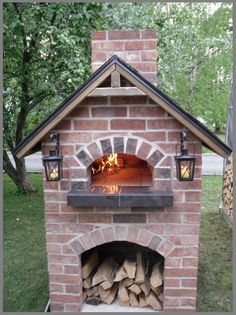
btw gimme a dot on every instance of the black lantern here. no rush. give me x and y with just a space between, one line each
53 162
185 162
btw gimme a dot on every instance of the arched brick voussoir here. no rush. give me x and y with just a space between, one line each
120 144
84 157
150 153
131 146
106 146
165 247
94 150
155 158
144 150
121 233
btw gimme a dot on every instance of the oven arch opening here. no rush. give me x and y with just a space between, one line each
120 169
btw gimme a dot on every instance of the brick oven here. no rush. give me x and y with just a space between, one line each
119 198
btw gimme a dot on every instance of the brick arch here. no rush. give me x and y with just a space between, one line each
122 233
121 144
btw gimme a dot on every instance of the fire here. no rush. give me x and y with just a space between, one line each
107 165
112 189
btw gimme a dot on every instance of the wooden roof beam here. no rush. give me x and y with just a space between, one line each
116 91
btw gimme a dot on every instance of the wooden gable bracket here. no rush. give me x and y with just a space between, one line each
115 79
116 89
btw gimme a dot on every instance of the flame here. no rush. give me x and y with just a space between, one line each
108 165
113 189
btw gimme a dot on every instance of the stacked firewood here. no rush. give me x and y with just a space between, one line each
228 188
134 282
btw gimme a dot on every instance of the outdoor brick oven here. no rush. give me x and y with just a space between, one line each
141 206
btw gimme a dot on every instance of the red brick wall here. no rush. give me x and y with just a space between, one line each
137 47
144 128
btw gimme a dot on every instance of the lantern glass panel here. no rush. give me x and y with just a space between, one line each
52 169
185 169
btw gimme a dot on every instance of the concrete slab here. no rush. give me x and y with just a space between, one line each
114 307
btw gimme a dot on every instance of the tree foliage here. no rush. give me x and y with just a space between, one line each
46 56
47 51
194 52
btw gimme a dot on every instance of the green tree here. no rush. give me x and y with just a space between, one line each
47 53
194 52
46 56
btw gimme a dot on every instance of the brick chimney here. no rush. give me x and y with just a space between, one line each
137 47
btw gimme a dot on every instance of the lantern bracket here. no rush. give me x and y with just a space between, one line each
55 138
182 143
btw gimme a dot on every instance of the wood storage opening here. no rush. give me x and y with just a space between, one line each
122 270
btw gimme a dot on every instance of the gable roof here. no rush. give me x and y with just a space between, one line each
32 141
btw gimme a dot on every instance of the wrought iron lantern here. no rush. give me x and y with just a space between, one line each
185 162
53 162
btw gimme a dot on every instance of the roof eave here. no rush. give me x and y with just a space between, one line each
202 132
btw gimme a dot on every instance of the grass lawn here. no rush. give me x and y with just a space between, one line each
215 267
25 263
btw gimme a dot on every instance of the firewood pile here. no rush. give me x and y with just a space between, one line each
228 188
134 282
